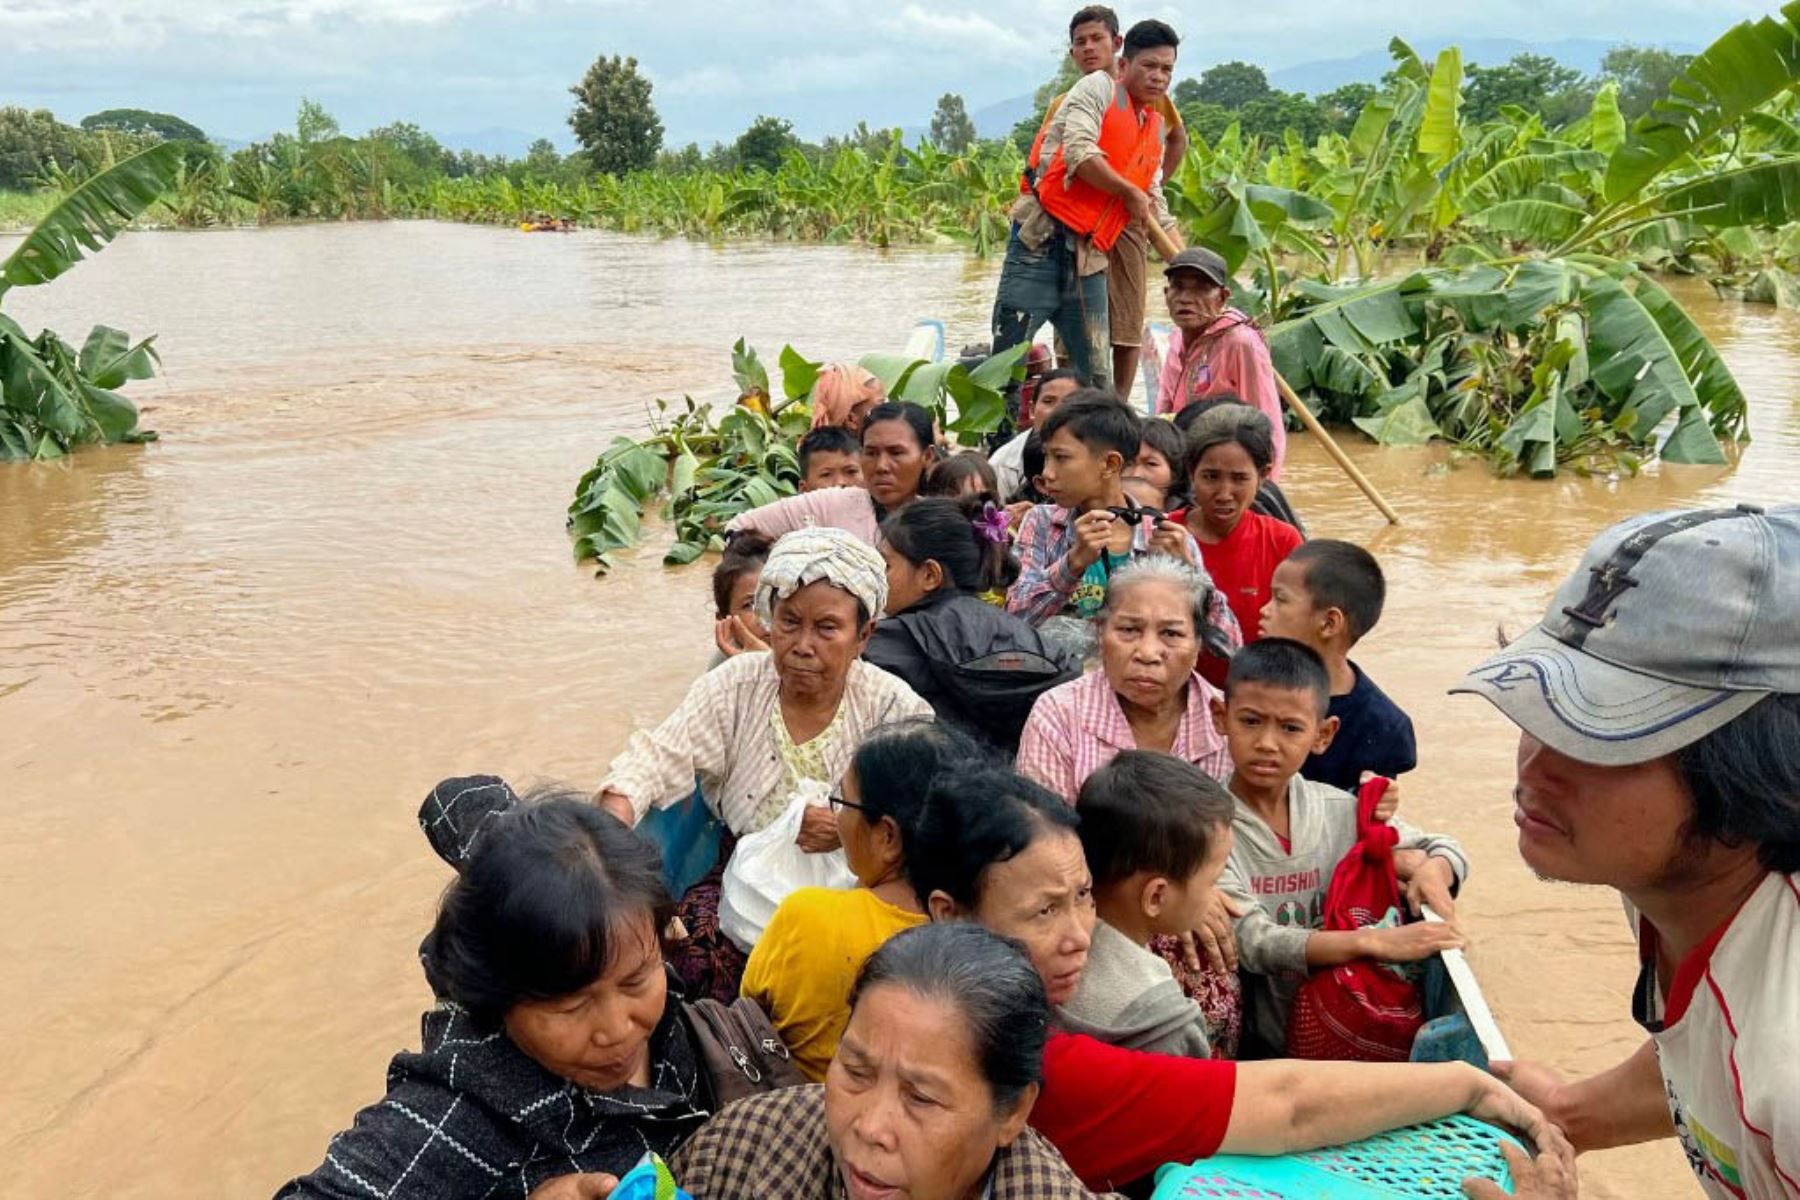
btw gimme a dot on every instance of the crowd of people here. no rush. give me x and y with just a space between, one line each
991 853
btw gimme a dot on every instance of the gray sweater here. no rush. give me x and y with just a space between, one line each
1128 997
1285 891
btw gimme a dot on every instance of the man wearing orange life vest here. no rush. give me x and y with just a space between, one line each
1097 168
1094 45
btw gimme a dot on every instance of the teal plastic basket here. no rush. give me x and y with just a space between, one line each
1422 1162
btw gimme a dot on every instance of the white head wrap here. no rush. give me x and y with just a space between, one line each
836 556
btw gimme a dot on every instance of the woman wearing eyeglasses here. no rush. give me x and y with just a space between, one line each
807 958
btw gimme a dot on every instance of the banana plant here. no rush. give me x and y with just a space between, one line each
708 465
54 397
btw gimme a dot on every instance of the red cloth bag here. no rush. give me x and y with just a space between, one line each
1360 1011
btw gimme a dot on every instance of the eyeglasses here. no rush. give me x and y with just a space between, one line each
837 802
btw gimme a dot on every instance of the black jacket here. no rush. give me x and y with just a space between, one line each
977 665
471 1115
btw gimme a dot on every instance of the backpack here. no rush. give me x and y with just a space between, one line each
742 1053
1361 1011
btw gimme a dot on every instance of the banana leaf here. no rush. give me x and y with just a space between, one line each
1531 220
1765 194
92 215
1440 131
1718 391
109 360
798 375
1406 423
1606 130
1750 64
1633 361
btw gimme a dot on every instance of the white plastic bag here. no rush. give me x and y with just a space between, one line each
768 865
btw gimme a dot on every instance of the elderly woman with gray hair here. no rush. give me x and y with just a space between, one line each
756 727
1147 695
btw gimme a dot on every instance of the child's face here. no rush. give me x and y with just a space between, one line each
1187 904
1048 396
1144 494
831 468
1270 731
1290 612
743 602
1152 467
1074 474
1225 482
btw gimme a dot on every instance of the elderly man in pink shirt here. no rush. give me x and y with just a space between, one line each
1215 350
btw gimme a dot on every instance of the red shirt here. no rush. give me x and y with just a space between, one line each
1243 564
1119 1114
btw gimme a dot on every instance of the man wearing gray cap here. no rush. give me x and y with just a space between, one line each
1659 754
1215 349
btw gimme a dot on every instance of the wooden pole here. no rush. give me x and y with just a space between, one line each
1166 246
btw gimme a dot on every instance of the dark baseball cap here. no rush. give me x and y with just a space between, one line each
1675 624
1199 258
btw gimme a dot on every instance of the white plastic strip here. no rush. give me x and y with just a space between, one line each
1475 1005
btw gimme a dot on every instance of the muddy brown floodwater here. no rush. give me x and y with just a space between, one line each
233 663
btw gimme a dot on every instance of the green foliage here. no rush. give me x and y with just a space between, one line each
37 149
1643 75
711 465
90 216
764 145
136 120
1533 82
951 129
1230 85
614 119
53 397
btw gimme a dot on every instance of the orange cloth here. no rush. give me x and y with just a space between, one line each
841 388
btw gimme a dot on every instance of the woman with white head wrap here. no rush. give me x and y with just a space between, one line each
753 729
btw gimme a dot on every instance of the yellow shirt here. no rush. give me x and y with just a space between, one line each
806 960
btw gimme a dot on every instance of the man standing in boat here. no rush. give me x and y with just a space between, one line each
1094 45
1094 170
1659 754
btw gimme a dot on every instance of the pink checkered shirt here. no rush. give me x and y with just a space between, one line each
1077 728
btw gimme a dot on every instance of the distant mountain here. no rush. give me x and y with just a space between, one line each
997 120
1584 54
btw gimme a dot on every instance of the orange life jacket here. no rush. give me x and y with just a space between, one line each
1028 177
1132 146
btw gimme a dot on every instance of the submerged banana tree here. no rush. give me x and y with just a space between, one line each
711 465
1533 335
52 396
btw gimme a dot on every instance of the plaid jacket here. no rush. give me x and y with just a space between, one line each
472 1116
1047 583
775 1145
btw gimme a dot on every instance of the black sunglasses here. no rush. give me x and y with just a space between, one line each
1135 514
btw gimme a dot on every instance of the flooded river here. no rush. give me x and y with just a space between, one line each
233 663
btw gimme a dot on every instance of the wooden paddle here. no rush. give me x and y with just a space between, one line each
1166 246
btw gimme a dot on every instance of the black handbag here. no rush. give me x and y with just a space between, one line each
740 1049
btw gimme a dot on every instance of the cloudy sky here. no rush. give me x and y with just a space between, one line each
237 69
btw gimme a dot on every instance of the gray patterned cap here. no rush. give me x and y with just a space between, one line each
1675 623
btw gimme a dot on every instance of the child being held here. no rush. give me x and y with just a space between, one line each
1290 834
1328 595
1157 834
735 626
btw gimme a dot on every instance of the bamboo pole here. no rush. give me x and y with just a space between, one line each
1165 246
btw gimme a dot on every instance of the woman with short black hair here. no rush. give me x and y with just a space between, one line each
927 1096
554 1049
